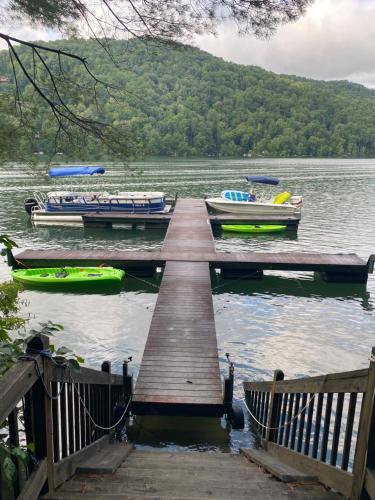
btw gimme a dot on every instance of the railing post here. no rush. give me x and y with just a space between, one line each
275 400
39 423
106 367
364 454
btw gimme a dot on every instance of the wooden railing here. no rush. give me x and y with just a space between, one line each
323 425
43 406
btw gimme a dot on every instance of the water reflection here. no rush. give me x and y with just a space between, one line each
294 287
188 433
232 238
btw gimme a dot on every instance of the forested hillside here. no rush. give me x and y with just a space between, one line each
183 101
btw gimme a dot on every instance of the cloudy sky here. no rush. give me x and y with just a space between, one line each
334 40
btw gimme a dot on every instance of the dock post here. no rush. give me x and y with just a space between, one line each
106 367
234 412
11 261
127 380
228 384
370 263
275 402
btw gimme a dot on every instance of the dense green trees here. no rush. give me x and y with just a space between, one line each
184 102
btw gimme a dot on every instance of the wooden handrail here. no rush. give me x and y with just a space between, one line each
354 381
15 383
85 376
317 423
59 427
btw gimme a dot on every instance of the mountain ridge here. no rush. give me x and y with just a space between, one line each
183 101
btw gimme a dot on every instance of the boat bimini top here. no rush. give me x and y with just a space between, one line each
263 179
75 170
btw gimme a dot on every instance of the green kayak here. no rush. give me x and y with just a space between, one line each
68 275
253 229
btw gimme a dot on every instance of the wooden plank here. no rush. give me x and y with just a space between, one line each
353 381
176 391
176 379
85 376
35 483
276 467
370 482
179 400
64 469
15 383
330 476
177 371
107 460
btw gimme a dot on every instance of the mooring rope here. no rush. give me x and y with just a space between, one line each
280 426
294 417
234 280
89 414
143 280
47 354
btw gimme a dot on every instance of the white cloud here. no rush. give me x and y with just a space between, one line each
334 40
27 33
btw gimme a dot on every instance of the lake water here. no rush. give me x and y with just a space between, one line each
290 321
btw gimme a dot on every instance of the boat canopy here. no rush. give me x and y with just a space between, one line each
263 179
75 170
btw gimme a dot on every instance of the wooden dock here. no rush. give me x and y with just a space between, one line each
179 373
340 267
162 220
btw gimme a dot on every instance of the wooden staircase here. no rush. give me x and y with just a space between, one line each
166 475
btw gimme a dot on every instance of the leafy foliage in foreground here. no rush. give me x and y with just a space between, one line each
182 101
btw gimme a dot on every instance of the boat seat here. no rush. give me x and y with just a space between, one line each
235 195
281 198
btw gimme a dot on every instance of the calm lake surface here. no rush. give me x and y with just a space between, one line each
290 321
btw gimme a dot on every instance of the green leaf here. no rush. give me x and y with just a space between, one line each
61 360
19 453
61 351
7 242
74 365
9 469
31 448
80 359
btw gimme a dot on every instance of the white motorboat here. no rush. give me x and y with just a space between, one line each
242 202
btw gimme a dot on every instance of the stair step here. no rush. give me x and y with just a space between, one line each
279 469
106 460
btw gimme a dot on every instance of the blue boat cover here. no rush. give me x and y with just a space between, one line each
76 170
263 179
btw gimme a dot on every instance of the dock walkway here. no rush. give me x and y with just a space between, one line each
179 372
